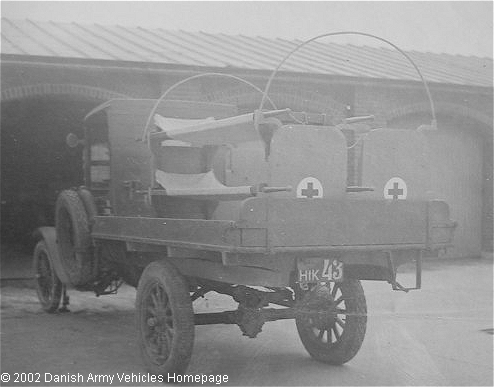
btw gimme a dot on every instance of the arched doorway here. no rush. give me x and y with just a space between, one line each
36 163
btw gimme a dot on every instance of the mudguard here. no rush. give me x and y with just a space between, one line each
49 235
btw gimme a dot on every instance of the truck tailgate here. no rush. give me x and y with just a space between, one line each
321 222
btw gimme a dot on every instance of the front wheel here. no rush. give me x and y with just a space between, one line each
48 285
333 321
165 319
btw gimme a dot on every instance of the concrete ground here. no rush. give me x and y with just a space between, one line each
440 335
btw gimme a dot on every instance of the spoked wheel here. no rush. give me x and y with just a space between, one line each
48 285
165 319
333 322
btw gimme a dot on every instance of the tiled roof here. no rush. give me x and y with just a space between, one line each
158 46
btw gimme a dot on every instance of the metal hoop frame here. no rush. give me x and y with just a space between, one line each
424 82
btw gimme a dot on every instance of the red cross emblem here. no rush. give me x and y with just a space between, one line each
310 188
310 192
395 189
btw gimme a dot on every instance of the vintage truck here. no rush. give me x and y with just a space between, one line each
256 206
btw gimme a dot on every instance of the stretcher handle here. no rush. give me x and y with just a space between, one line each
264 188
354 120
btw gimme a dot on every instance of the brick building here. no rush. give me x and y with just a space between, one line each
52 74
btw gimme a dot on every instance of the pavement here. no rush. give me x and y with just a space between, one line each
16 262
439 335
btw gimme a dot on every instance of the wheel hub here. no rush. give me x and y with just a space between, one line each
159 322
322 312
320 307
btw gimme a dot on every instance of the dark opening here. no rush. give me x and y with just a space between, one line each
36 162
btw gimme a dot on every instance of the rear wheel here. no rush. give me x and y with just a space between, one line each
333 323
165 319
48 285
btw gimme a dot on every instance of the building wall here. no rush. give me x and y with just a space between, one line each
487 196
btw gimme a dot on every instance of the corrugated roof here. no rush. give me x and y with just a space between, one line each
138 44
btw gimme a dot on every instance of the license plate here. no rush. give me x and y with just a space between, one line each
319 270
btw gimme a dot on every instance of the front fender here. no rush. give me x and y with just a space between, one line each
49 236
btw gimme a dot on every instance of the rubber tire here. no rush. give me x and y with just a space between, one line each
48 298
165 275
74 238
87 199
353 334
